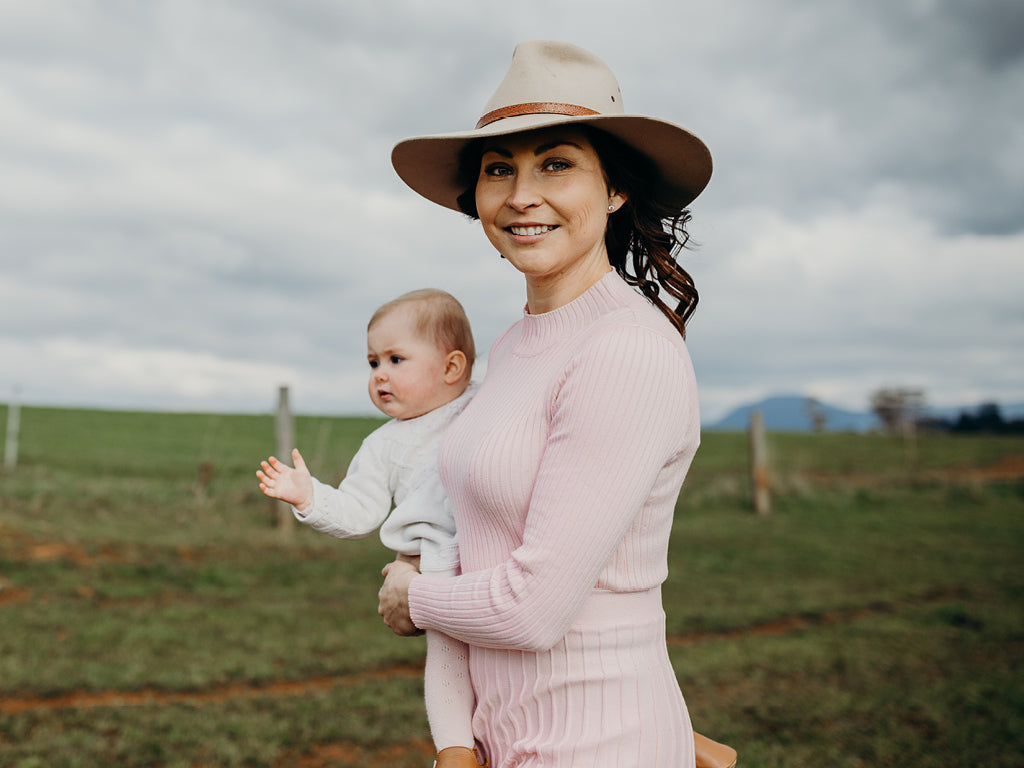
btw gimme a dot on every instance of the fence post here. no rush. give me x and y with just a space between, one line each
910 443
284 427
760 480
13 429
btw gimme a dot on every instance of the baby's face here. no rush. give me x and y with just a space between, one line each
406 370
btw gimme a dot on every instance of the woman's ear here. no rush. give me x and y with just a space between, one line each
455 364
616 200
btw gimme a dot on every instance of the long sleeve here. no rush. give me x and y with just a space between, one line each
358 506
392 483
621 427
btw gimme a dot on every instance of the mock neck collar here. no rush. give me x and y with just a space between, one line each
539 331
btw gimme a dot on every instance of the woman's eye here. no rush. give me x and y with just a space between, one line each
557 165
497 169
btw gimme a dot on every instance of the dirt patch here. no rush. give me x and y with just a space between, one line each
22 548
418 752
324 756
1006 468
783 626
789 624
14 595
86 699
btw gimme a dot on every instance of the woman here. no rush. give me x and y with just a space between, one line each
564 469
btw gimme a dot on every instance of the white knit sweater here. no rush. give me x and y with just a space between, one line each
395 466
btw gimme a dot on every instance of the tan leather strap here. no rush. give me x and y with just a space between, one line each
711 754
535 108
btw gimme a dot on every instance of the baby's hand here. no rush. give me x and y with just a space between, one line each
279 481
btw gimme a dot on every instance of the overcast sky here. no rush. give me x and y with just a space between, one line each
197 203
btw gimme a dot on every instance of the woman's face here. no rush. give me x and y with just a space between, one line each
543 199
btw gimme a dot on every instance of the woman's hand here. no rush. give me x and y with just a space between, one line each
394 597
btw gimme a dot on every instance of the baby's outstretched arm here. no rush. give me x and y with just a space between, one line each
279 481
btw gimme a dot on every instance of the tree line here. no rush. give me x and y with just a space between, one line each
987 418
902 410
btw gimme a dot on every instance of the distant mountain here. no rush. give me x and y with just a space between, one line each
789 413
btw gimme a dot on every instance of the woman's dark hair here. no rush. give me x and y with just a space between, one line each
643 238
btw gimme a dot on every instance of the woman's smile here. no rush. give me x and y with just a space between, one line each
530 230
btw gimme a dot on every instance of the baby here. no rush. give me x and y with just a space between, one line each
421 353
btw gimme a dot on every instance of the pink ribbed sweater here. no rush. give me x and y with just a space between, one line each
563 473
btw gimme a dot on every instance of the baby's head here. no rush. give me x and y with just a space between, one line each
421 353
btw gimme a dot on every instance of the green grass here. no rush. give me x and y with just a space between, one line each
874 618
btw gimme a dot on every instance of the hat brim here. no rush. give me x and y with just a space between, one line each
429 164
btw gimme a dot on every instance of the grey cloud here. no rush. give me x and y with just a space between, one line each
837 100
990 30
211 182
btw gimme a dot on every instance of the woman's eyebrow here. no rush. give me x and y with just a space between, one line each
557 143
499 150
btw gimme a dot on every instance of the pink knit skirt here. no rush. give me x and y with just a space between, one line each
604 696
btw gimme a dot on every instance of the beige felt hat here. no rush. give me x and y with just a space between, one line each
554 83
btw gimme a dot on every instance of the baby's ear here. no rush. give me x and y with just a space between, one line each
454 366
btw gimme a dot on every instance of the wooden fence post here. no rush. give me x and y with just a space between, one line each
284 425
910 442
760 480
13 429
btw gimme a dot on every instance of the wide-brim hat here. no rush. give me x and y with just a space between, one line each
553 83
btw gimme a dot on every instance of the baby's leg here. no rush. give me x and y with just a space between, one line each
448 692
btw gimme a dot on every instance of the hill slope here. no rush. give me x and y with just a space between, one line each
789 413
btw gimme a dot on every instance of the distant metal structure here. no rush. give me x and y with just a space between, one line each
816 413
284 428
13 430
899 409
760 480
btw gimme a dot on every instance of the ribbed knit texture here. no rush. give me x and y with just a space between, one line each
563 473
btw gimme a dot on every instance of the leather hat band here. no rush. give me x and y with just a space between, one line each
535 108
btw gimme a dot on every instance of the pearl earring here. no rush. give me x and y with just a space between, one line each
611 207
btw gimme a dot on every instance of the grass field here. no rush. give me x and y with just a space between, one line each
151 614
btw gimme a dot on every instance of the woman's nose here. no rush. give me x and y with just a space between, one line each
524 193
